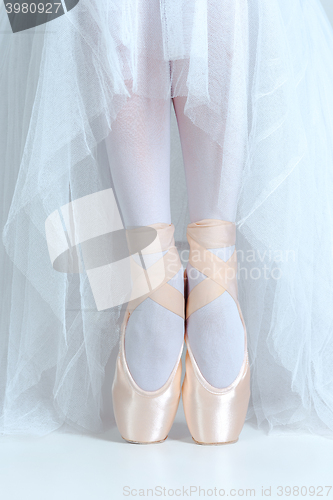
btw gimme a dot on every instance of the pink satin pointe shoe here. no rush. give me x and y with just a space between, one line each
147 416
213 415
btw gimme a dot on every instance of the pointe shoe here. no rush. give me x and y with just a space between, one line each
214 416
147 416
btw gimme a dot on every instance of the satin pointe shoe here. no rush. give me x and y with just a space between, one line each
147 416
213 415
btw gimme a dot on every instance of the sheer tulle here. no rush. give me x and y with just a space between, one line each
266 70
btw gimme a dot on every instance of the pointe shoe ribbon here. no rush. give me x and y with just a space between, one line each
221 274
214 416
153 283
147 416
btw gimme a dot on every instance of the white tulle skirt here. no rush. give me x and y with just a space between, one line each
62 85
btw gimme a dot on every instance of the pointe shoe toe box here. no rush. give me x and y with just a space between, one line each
144 416
215 416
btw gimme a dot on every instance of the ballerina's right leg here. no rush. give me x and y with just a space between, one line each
139 156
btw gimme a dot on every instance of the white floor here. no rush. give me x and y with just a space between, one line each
65 466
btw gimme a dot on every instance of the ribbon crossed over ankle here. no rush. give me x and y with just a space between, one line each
153 282
212 233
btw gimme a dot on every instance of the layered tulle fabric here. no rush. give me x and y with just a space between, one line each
266 66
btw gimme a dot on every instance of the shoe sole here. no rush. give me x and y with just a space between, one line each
144 442
215 444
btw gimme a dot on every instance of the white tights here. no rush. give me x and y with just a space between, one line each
139 153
